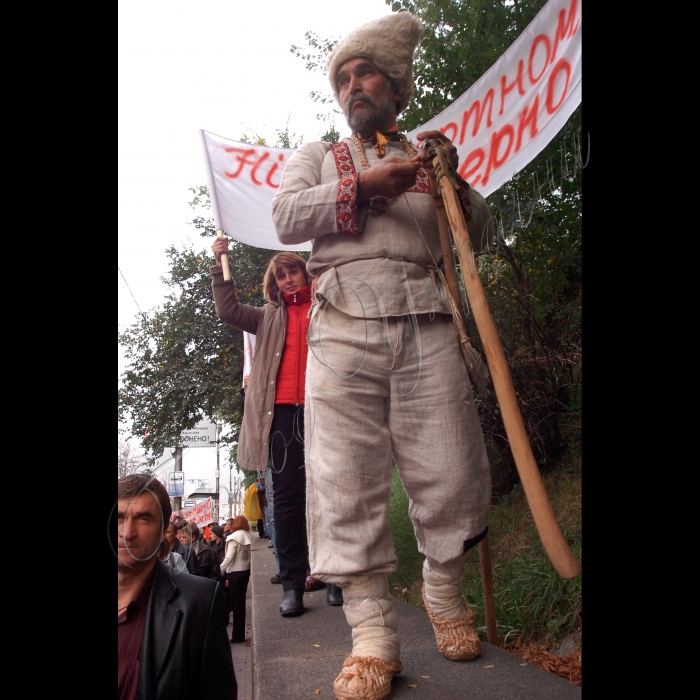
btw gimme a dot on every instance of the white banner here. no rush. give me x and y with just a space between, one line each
517 107
498 125
242 180
201 514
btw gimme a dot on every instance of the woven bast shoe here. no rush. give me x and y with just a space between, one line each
456 638
365 678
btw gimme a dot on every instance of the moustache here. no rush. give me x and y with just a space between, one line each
359 97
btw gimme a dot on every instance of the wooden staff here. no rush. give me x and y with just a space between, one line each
451 279
557 548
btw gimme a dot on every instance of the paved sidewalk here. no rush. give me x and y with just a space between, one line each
298 656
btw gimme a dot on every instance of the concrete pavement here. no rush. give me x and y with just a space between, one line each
298 658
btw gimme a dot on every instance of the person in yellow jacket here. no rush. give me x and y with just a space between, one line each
251 504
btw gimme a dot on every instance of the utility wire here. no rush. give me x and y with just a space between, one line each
129 288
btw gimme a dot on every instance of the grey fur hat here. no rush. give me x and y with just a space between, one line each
389 42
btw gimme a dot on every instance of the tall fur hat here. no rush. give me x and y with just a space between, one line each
389 42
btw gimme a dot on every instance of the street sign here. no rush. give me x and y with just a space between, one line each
202 435
176 484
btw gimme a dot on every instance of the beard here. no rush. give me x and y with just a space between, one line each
368 121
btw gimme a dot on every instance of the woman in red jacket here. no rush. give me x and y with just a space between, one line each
273 422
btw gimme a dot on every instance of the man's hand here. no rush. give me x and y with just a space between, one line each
388 178
219 248
425 160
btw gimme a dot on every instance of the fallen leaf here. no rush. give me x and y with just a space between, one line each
413 685
425 676
422 646
317 645
316 692
491 666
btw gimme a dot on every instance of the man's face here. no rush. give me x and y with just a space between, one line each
184 537
139 531
366 96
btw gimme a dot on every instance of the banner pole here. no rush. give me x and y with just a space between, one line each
214 203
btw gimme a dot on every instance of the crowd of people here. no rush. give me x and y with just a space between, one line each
357 367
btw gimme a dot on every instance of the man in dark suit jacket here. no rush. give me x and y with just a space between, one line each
172 640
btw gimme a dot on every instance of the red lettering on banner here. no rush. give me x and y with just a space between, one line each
241 158
562 64
466 172
479 114
494 161
261 160
505 89
533 49
444 129
273 170
528 117
249 156
565 28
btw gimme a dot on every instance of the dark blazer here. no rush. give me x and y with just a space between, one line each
185 653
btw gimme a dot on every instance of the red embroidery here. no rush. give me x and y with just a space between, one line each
422 183
346 198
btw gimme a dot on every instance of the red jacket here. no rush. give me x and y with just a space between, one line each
291 375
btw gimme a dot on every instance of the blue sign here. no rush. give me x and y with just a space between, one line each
176 484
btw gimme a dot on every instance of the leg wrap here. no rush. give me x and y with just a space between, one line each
442 587
372 617
451 617
367 673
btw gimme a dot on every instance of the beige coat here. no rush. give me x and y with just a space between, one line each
268 323
237 552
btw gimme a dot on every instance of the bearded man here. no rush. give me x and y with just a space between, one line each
385 378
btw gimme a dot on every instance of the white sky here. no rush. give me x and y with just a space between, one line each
211 64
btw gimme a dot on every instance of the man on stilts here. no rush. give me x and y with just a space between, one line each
385 378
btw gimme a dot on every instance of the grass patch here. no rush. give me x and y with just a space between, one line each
531 599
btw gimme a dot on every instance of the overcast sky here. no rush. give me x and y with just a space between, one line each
220 65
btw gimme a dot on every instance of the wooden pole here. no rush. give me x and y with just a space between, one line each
487 590
555 545
451 278
224 259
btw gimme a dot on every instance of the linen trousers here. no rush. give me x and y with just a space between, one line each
382 390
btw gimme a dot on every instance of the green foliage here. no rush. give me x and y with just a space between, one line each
287 140
185 364
402 533
461 41
530 598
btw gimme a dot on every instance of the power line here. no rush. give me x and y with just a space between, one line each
129 288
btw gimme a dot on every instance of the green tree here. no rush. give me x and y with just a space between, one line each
184 363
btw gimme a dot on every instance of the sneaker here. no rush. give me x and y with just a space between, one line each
276 578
